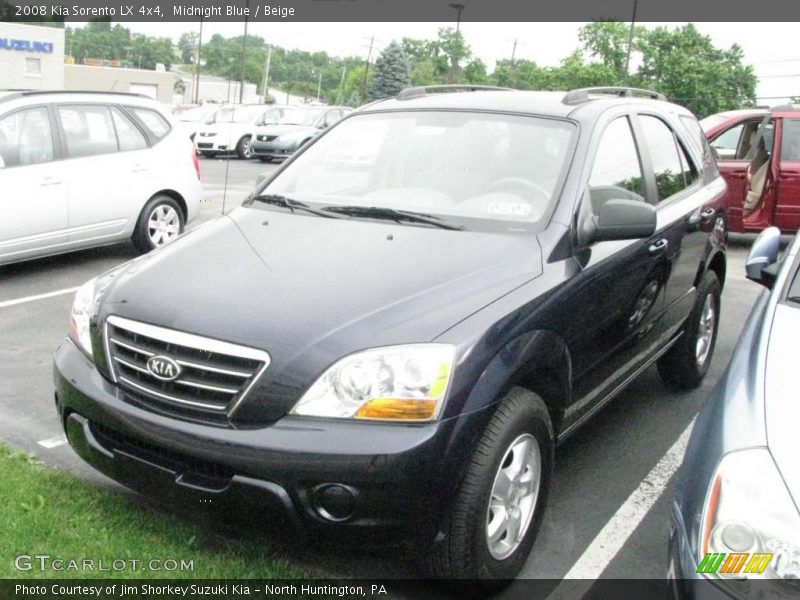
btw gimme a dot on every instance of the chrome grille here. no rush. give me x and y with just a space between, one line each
213 377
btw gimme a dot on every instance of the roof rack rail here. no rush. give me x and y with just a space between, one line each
584 94
423 90
36 92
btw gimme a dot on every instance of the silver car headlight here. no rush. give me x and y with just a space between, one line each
750 527
396 383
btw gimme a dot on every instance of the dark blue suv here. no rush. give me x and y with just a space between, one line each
398 327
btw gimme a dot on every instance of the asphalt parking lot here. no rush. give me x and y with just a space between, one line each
609 507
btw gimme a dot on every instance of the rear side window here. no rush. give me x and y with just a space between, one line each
668 168
790 142
25 138
128 135
157 124
698 137
616 173
88 130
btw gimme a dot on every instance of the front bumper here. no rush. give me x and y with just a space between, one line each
273 149
317 472
211 144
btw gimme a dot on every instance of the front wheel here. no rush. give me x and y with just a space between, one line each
492 524
685 365
160 222
243 148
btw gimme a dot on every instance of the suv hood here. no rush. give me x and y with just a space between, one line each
310 290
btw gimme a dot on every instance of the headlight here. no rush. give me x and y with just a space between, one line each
406 383
750 517
85 305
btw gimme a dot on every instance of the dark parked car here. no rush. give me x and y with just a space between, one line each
398 328
759 156
296 127
735 520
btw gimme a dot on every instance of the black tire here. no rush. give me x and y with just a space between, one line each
243 148
265 159
463 551
142 238
208 154
681 367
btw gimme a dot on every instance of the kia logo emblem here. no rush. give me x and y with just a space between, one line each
163 368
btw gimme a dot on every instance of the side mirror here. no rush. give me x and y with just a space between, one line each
625 220
763 254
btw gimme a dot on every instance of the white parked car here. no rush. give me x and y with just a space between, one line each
188 121
80 169
230 129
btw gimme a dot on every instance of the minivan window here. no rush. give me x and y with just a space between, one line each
790 143
129 136
616 173
157 124
25 138
88 129
666 161
459 166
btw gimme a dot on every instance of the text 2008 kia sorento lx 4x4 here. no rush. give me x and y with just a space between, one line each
398 327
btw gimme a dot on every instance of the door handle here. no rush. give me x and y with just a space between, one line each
50 181
658 247
707 215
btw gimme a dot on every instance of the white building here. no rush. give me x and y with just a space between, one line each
31 57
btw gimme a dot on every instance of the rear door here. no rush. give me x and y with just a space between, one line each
787 211
686 207
107 157
33 199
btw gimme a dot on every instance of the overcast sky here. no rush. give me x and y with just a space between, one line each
772 48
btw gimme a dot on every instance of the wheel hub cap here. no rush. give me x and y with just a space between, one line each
513 496
164 225
705 330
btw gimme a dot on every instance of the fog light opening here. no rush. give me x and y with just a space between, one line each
334 501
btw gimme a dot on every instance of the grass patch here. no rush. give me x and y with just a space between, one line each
45 511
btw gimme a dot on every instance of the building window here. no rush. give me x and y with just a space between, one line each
33 66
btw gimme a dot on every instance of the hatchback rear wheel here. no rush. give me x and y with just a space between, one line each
160 223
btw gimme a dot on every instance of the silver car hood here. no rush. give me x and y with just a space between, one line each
782 404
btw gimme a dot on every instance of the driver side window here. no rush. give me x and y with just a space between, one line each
617 172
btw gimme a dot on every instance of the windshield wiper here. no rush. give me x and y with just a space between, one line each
391 214
291 204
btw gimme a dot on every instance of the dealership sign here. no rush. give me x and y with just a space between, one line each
26 45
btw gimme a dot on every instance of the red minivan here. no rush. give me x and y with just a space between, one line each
758 153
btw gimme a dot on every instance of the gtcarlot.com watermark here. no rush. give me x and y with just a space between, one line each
46 562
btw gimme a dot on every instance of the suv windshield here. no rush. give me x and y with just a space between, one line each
463 167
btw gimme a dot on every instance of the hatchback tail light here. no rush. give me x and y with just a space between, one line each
195 163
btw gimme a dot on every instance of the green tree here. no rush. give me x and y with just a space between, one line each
684 65
608 42
187 46
391 73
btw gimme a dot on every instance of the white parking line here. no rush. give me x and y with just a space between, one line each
619 528
7 303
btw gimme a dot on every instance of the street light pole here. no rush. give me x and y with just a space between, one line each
244 50
630 41
459 7
197 64
319 86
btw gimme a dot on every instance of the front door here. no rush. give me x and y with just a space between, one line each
32 186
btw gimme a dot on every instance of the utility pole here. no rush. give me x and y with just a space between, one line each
340 99
319 85
366 69
197 65
630 41
244 50
515 43
265 87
